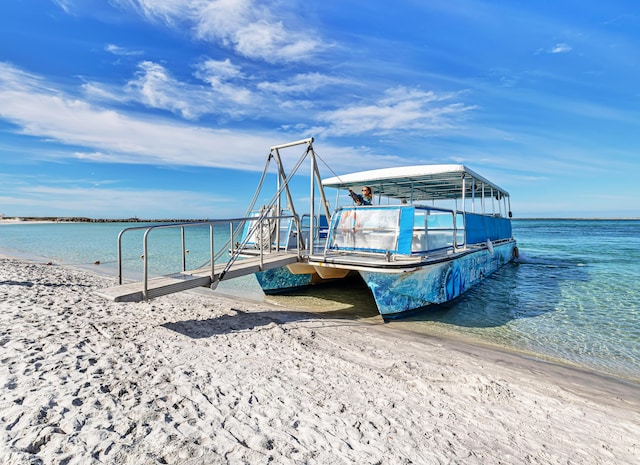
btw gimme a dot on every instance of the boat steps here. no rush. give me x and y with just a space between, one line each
178 282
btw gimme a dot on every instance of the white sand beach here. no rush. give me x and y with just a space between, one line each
191 379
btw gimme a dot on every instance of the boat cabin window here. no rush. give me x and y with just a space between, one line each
398 229
432 230
370 228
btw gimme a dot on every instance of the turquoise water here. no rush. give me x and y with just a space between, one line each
84 244
572 296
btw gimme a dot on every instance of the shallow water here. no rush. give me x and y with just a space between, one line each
572 295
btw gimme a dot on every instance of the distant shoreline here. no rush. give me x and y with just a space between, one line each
79 219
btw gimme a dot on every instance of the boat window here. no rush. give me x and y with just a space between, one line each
433 230
382 229
367 229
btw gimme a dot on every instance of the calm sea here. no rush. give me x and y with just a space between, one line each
573 295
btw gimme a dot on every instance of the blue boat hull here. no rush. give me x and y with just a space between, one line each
396 294
279 280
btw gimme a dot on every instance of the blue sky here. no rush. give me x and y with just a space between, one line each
167 108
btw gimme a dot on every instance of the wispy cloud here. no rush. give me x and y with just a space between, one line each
555 49
154 86
302 83
228 93
560 48
65 5
400 109
221 75
122 51
42 112
248 27
101 134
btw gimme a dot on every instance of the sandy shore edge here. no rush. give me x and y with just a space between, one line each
190 379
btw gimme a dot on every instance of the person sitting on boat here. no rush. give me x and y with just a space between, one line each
365 199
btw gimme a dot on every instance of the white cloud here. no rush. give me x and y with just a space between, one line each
155 87
217 70
301 84
217 73
251 28
37 111
121 51
560 48
101 134
400 109
272 42
64 4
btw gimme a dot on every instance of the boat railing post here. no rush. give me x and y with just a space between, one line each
145 269
120 256
281 179
184 253
212 249
260 238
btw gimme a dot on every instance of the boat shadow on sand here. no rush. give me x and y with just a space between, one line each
246 321
528 288
345 302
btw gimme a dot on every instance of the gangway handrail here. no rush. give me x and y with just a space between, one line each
258 221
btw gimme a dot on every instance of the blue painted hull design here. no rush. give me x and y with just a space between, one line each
281 280
398 293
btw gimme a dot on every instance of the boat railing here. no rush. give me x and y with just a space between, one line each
258 227
314 235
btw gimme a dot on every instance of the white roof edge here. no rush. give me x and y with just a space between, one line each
390 173
415 171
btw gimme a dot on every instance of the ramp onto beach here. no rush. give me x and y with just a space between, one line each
178 282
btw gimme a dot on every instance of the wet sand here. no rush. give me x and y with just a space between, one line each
197 379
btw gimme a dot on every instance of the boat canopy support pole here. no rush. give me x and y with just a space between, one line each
473 195
493 202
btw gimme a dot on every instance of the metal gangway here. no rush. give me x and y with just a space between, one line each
263 245
244 260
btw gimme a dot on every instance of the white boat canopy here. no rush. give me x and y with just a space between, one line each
419 183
